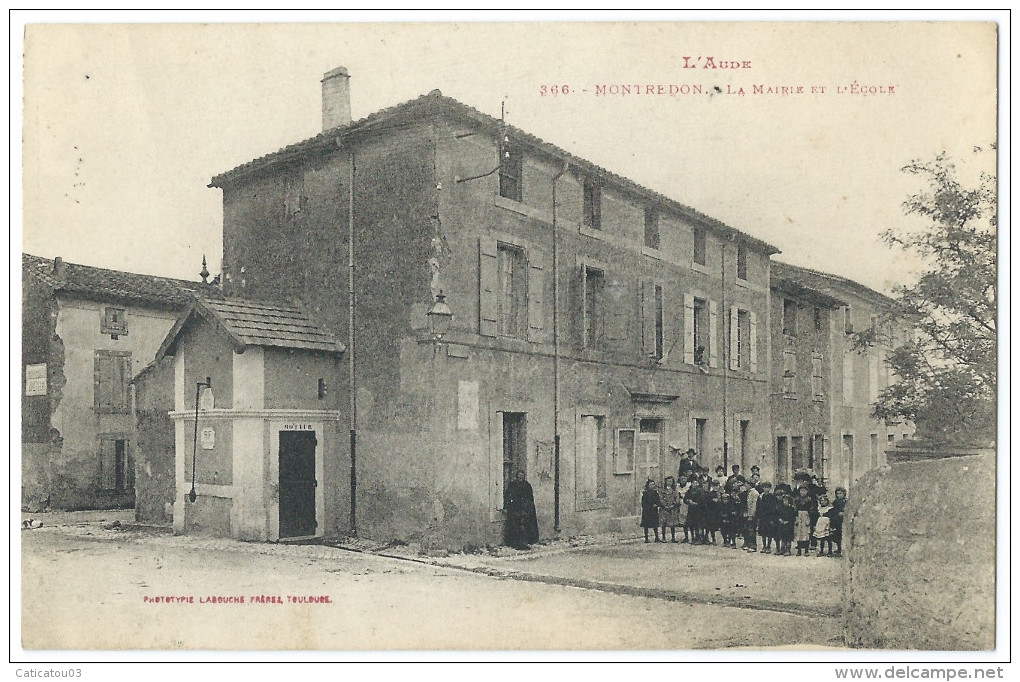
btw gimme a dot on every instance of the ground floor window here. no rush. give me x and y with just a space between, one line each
591 457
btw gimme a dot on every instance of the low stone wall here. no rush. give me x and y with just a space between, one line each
919 542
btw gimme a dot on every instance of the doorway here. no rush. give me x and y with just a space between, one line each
515 446
649 456
782 459
297 484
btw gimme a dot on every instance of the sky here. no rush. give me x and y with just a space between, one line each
125 124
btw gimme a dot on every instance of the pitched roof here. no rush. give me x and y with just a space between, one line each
435 102
254 323
101 283
834 286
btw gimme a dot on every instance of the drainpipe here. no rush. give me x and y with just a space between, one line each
556 356
352 377
727 335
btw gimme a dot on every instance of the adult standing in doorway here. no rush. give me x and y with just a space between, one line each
521 530
687 464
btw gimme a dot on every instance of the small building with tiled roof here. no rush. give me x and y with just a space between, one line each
86 331
255 414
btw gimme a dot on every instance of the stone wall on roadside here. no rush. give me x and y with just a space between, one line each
919 542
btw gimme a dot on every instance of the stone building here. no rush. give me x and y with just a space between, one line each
822 414
595 323
86 332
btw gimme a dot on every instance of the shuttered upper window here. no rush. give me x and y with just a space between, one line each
511 291
112 376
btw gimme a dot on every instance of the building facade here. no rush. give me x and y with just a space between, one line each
596 322
836 434
85 333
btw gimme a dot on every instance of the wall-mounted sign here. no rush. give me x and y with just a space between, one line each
35 379
206 402
298 427
208 438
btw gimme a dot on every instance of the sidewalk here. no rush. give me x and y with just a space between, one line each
622 563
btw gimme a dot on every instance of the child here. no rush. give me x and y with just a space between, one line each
823 526
836 522
806 509
736 514
712 511
785 519
681 514
767 510
669 501
693 501
650 509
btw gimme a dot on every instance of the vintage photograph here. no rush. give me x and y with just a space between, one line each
544 336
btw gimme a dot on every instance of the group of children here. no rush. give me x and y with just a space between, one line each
702 506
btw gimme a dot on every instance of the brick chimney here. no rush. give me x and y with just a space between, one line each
59 267
336 98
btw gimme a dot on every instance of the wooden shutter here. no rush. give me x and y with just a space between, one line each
648 317
487 287
734 337
713 344
618 305
754 342
536 296
689 329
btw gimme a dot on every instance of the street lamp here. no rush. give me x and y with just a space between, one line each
440 317
192 496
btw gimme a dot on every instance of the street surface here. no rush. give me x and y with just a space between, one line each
86 585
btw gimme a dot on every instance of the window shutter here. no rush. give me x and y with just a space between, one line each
754 342
97 382
689 329
648 317
619 306
734 338
487 287
713 344
536 296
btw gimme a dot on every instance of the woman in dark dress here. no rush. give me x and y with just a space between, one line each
650 503
521 530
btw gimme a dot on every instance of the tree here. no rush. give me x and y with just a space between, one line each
947 371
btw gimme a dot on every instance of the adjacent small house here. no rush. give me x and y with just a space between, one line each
86 332
260 462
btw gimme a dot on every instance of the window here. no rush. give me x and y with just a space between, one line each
593 288
701 337
114 322
700 324
848 323
818 319
112 375
511 172
789 317
741 262
874 324
701 440
592 204
116 470
816 377
659 340
745 444
651 227
625 440
789 374
744 360
700 247
591 457
512 299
